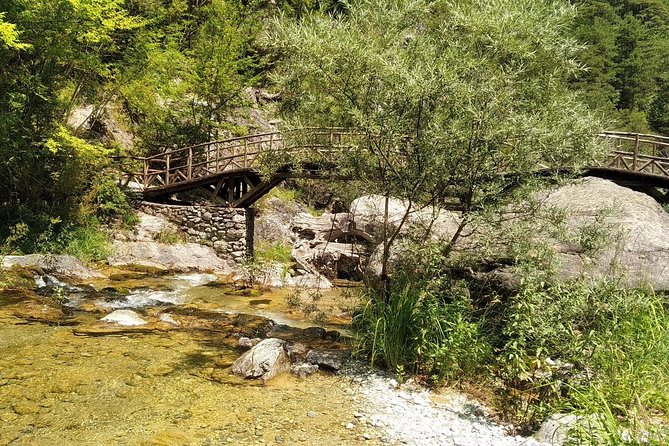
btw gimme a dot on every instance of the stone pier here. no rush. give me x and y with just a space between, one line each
224 229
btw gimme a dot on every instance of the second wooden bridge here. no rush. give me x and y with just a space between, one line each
230 170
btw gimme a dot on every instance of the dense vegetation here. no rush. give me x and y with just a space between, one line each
626 57
445 93
174 72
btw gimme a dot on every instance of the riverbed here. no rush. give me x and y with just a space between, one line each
160 387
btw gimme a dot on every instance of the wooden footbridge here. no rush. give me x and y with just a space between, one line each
231 170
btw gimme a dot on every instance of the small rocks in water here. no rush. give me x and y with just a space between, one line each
247 343
124 317
350 426
329 359
303 370
168 319
296 349
312 414
265 360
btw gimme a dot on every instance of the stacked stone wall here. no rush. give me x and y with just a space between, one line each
222 228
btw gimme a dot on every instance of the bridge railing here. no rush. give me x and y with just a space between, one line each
638 152
236 154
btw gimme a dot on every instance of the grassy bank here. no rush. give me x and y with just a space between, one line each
591 349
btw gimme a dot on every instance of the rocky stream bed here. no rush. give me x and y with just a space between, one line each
147 361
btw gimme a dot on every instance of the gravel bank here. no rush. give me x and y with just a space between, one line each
410 415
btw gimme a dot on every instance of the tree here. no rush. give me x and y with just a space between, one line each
625 53
189 71
51 53
462 99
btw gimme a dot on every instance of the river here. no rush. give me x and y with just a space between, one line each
158 387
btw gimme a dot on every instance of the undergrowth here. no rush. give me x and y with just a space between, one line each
274 252
593 349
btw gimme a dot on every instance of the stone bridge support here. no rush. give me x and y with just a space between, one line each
228 230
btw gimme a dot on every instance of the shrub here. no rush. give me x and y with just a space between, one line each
109 202
274 252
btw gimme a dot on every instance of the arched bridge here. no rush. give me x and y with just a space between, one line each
230 170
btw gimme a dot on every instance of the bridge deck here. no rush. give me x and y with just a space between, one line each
231 169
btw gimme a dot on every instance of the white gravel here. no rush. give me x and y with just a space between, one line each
411 415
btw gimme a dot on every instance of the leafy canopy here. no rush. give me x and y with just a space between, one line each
447 95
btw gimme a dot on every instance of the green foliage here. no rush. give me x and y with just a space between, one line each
9 37
189 70
625 54
659 112
585 345
88 243
274 252
108 200
445 95
421 330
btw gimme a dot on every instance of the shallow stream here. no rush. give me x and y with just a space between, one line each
158 387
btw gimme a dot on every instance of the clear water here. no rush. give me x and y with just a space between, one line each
161 388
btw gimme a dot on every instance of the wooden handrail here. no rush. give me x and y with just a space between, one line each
243 152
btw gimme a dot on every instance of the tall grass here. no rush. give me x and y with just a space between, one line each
274 252
589 348
421 331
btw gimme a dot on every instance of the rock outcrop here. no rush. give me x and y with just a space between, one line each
612 232
141 248
174 258
368 213
61 266
616 233
265 360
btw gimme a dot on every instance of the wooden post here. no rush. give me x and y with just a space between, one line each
190 163
636 152
167 170
145 179
246 151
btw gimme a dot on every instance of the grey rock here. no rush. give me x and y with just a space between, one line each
296 349
61 266
182 258
636 229
555 429
303 370
247 343
265 360
124 317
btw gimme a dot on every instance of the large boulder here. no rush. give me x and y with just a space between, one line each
62 266
369 214
555 430
616 232
177 258
273 220
265 360
330 245
612 232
